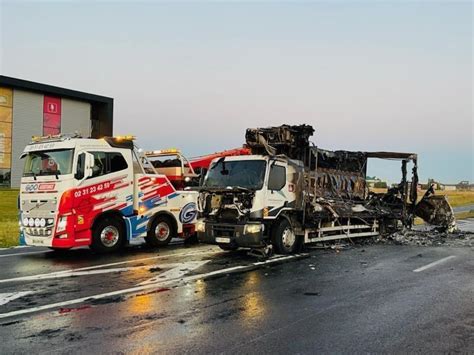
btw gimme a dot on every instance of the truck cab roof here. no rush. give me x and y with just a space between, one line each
70 142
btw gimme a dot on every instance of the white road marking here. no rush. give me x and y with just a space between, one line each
140 288
176 272
16 247
70 273
30 252
90 270
10 296
434 263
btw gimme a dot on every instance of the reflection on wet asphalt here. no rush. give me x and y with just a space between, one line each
324 303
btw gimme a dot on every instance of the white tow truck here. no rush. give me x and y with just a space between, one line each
101 193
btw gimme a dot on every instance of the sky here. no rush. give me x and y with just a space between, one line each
394 76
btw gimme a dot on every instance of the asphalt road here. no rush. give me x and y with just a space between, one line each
198 299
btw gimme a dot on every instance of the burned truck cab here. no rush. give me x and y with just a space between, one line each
241 197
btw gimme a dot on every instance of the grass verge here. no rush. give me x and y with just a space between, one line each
455 198
8 218
464 215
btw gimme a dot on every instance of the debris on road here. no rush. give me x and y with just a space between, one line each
431 237
64 310
436 210
426 236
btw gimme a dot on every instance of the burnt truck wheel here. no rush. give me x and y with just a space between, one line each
108 235
284 239
161 231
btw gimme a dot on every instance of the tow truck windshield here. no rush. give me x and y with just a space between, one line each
52 162
249 174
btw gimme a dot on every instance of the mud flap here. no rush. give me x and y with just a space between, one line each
436 210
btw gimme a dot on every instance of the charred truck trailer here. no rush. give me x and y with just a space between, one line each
290 192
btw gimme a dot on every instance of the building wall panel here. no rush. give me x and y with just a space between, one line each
6 97
27 122
76 117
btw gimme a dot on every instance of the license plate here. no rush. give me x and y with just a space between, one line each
37 241
222 240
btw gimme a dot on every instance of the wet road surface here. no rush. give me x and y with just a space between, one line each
199 299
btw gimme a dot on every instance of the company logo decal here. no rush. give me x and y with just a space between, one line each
46 187
31 187
40 187
188 213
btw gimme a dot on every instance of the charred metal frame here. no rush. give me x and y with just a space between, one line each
332 197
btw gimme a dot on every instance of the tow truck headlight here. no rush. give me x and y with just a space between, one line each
42 223
200 226
25 222
252 228
50 221
37 222
31 222
62 223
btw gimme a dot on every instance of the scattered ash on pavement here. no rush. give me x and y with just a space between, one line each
413 237
430 238
423 237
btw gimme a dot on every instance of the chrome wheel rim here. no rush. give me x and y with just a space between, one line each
109 236
288 238
162 231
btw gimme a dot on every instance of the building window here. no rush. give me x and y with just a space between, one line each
6 116
51 116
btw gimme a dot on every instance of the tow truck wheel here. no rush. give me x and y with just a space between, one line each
284 238
107 235
161 232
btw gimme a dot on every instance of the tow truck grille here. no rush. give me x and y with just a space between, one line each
38 232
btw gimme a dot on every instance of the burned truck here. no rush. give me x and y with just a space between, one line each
290 192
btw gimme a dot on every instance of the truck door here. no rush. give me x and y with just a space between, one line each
109 187
278 196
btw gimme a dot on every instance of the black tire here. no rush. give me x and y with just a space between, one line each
108 235
284 239
228 247
192 239
161 231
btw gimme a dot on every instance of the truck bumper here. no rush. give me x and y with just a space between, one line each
233 235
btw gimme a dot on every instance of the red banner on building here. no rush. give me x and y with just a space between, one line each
51 115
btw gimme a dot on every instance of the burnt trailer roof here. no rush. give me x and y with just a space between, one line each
391 155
